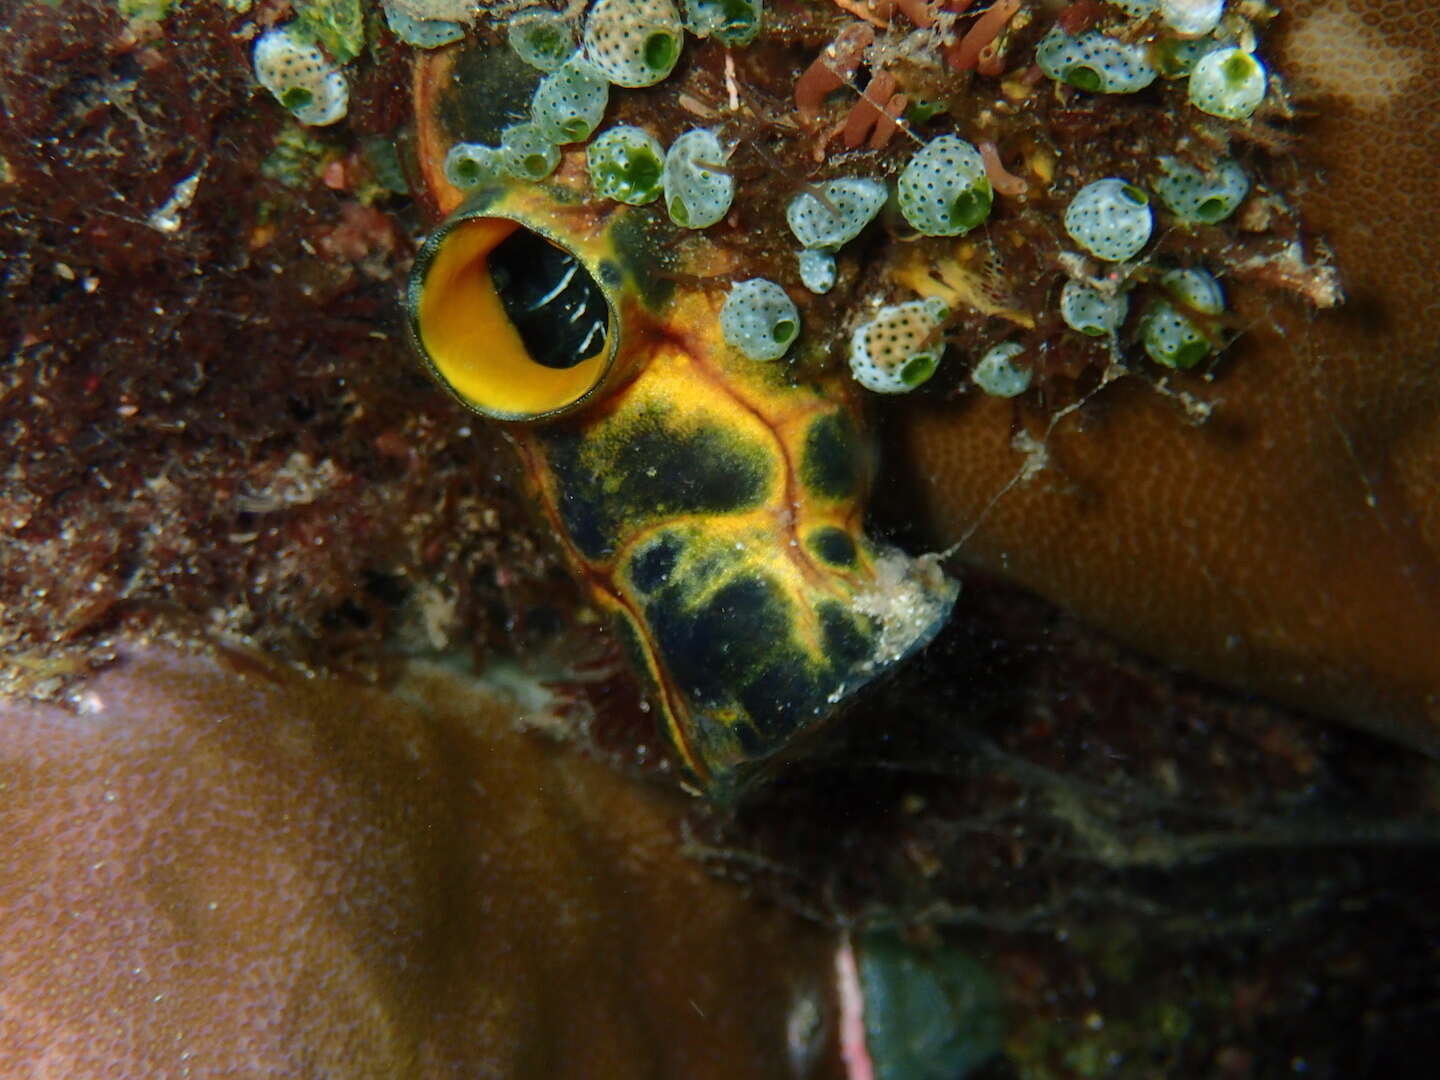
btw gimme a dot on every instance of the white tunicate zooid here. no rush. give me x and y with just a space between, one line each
1110 218
697 192
570 102
1195 195
899 348
759 319
998 373
1195 287
1094 62
468 165
526 152
943 190
840 212
817 270
633 42
1192 17
293 68
1228 83
542 38
422 33
1088 310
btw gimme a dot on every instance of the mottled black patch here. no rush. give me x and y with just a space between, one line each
652 564
831 464
637 467
610 275
644 244
846 642
832 545
491 88
713 649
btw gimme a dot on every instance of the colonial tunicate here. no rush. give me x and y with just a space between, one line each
1196 288
527 153
1191 17
1000 374
759 319
293 68
542 38
817 270
1171 336
1198 196
1110 218
570 102
468 165
1228 83
422 33
844 208
899 348
1090 311
1094 62
733 22
944 190
633 42
697 193
626 164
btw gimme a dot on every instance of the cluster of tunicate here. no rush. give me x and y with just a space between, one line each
1199 196
1191 17
1228 83
732 22
542 38
816 269
1000 374
293 68
1090 311
1170 335
626 164
570 102
1110 218
422 33
1093 62
899 348
944 190
759 319
697 192
527 153
835 212
468 165
633 42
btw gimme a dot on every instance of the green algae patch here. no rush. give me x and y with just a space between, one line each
338 25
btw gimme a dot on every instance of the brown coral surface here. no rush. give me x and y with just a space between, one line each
220 867
1291 543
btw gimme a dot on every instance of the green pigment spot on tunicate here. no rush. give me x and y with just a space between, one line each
575 130
1190 354
296 97
1083 78
783 331
970 207
1238 68
1211 210
1135 195
660 51
917 369
535 164
678 213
